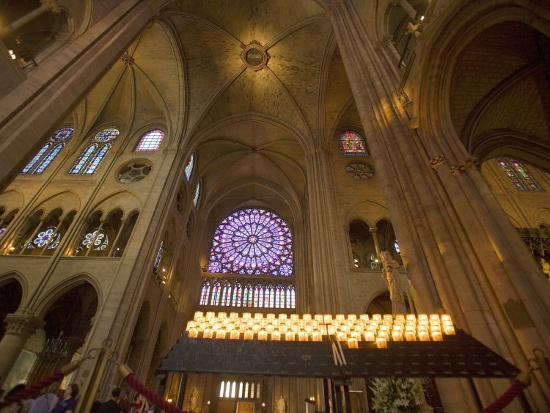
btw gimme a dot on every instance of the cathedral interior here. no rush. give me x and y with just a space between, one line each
161 159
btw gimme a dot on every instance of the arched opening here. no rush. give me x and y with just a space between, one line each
67 322
387 240
380 305
11 294
362 246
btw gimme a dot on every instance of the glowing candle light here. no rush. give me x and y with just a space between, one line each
290 336
220 334
423 335
397 335
262 335
369 335
353 343
276 335
193 333
302 336
234 334
410 335
208 333
248 335
436 336
316 336
381 342
449 330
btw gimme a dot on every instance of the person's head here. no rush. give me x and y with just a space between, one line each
116 393
72 391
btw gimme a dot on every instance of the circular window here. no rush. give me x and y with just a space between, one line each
360 170
133 172
255 56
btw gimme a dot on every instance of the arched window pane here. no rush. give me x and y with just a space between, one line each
352 143
189 167
81 161
518 175
252 241
97 159
197 194
150 142
28 168
49 158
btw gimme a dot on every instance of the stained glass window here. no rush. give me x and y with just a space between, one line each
158 258
49 237
48 152
352 143
97 241
189 167
91 158
197 195
241 390
518 175
252 241
396 247
229 293
150 142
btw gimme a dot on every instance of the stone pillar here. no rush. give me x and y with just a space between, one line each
41 101
19 327
329 289
374 233
446 271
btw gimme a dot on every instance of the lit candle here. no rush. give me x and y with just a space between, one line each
410 335
290 336
316 336
397 335
193 333
302 336
262 335
369 335
207 333
275 335
248 335
220 334
198 314
449 330
234 334
352 343
436 336
341 336
381 342
423 335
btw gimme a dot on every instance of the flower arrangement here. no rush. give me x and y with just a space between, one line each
397 395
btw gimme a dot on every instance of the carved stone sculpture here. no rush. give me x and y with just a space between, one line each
391 273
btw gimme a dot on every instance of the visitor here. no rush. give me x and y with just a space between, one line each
19 407
44 403
112 406
140 404
68 403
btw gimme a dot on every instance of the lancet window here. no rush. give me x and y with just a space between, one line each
197 195
93 155
47 154
189 167
518 175
234 389
352 143
151 141
230 293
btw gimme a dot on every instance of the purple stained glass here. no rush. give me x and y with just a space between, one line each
352 143
252 241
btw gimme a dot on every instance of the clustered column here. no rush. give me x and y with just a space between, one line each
454 261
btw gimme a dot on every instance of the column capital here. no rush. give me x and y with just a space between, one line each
51 5
22 324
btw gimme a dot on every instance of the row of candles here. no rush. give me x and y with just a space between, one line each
350 329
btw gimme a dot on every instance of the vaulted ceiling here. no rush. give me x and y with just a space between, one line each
500 101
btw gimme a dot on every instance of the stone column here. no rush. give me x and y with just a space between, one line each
441 264
329 290
374 233
19 327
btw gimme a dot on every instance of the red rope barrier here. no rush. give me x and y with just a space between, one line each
153 397
33 390
513 391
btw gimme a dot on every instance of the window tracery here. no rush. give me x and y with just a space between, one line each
518 175
252 241
93 155
352 143
231 293
150 141
47 154
232 389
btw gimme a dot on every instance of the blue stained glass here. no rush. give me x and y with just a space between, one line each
48 159
106 135
189 167
63 134
97 159
252 241
27 169
81 161
197 194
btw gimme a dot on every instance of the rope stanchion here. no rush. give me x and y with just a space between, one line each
150 395
34 389
521 382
